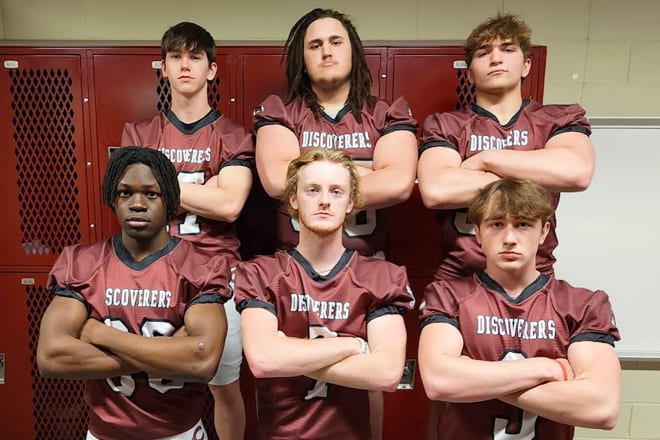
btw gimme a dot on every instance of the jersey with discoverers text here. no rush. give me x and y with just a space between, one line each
543 321
147 298
309 305
474 129
198 151
365 232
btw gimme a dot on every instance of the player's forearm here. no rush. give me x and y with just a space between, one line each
283 356
453 188
189 358
211 202
578 402
70 358
460 379
386 187
557 169
379 371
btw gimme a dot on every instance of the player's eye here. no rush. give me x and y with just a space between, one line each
152 195
123 193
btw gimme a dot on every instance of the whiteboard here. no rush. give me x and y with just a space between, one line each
609 235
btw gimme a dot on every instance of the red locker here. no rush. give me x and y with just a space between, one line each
44 194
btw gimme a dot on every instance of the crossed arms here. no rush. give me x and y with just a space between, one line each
335 360
589 398
71 346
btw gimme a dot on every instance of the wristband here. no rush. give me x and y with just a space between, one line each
563 370
364 347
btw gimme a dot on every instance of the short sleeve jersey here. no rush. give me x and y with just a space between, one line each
308 305
366 231
543 320
148 298
473 130
198 151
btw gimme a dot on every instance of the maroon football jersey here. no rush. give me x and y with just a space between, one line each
148 298
308 305
544 320
198 151
475 129
366 231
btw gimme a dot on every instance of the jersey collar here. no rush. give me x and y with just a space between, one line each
127 258
314 275
528 291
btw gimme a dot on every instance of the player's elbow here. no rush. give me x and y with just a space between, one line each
581 181
262 365
605 416
441 389
204 363
233 212
389 379
48 364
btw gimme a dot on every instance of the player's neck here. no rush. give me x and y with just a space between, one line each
332 99
189 109
503 105
513 282
321 251
142 248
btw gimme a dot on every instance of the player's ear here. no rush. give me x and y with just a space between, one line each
527 67
469 76
545 229
477 234
163 68
293 201
213 69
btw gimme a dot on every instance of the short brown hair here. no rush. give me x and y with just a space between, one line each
319 155
511 197
188 36
504 26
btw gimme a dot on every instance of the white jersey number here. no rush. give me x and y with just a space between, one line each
189 226
126 384
526 422
462 224
320 388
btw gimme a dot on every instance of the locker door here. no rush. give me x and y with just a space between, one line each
31 406
44 193
127 85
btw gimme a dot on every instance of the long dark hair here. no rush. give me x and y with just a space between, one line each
296 74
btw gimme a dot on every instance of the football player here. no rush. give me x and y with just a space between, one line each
321 324
517 353
214 158
113 298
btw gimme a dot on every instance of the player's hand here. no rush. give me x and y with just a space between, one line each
363 171
88 330
570 374
474 163
213 181
180 332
